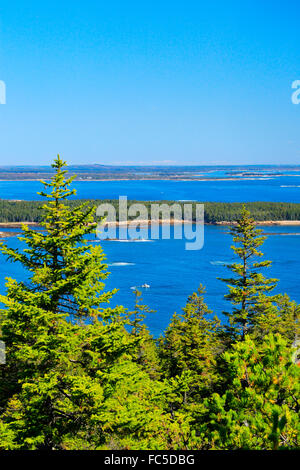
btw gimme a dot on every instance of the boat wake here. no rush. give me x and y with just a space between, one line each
121 263
219 263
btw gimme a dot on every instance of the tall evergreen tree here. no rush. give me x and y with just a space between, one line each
67 276
249 287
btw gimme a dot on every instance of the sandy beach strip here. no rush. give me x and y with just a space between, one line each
145 222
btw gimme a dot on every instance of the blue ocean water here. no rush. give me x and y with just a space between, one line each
278 189
173 273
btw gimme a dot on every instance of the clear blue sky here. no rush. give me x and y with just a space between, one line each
184 82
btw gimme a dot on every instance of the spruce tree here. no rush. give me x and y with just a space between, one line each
146 350
249 287
66 275
189 349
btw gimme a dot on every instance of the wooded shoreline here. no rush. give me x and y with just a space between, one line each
15 212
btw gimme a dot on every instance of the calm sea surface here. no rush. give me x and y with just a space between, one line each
280 189
173 273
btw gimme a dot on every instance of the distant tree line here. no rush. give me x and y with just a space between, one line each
30 211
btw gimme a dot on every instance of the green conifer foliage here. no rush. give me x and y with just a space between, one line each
146 352
259 408
248 287
280 316
189 350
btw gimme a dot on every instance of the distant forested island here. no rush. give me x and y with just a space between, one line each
214 212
